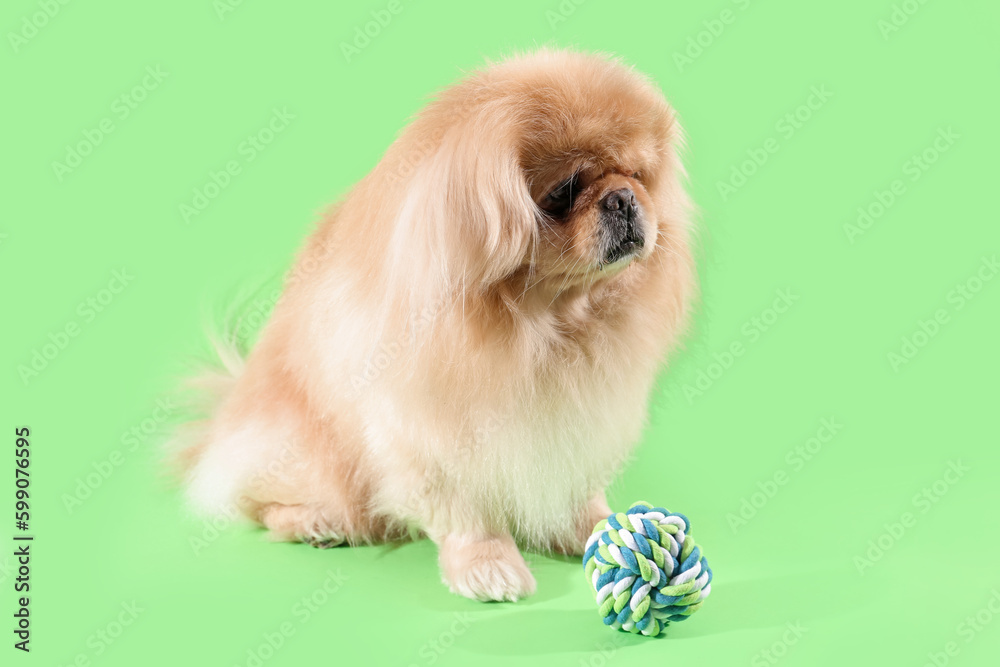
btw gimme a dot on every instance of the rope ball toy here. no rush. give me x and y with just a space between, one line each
646 569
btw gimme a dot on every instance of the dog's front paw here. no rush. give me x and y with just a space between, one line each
485 568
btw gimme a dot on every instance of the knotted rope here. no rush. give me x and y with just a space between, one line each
646 569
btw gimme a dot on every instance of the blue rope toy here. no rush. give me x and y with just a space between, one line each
646 569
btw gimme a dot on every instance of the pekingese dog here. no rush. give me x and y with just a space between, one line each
466 345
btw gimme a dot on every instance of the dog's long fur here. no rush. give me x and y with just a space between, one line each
446 357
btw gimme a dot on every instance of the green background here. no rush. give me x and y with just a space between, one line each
724 431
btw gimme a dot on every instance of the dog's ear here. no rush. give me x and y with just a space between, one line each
467 218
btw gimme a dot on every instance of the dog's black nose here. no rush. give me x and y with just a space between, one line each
620 200
620 215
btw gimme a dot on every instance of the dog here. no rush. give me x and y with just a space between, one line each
466 345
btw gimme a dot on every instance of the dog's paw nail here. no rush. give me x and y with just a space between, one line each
323 542
497 580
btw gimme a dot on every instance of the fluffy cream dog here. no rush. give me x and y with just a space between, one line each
467 343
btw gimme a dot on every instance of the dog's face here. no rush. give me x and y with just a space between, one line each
554 173
593 217
593 164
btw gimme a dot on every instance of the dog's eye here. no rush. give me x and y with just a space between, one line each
637 176
560 201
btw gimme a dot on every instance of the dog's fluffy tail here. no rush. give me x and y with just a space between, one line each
199 395
202 392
